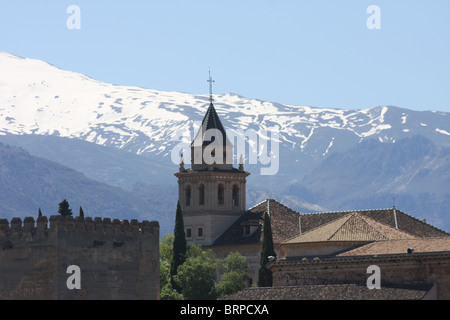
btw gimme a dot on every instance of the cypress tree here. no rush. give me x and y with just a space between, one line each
179 247
264 274
81 213
64 209
39 213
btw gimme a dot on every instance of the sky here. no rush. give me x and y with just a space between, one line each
322 53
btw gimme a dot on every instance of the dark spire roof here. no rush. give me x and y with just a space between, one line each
211 121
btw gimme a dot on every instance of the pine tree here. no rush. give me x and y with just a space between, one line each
179 247
264 274
64 209
81 213
39 213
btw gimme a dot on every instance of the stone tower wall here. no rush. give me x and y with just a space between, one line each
117 259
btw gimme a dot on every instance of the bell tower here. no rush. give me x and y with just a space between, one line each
211 192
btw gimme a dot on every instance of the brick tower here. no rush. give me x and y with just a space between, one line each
211 192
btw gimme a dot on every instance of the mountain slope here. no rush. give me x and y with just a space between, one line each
413 172
101 163
42 107
38 98
28 183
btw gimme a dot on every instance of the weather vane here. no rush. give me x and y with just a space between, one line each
210 87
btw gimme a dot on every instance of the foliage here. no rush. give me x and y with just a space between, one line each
197 276
264 274
168 293
179 248
165 256
166 248
64 208
236 262
233 279
231 282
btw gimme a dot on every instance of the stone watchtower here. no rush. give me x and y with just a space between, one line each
211 192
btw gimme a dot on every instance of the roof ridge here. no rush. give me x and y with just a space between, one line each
349 216
260 203
397 230
367 220
417 239
346 211
316 228
421 221
356 215
284 206
277 202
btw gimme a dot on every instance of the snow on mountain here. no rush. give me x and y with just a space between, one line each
42 105
38 98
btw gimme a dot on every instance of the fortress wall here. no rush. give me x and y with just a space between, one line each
118 259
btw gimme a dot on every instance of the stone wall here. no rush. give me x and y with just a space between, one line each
117 259
399 269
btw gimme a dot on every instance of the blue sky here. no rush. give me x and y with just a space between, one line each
317 53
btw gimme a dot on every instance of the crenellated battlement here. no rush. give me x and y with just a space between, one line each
76 231
117 259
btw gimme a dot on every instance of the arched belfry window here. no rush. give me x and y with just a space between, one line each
201 194
221 194
235 195
188 195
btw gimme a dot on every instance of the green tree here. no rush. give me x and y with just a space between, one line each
197 275
235 274
39 213
165 260
264 274
197 279
168 293
81 213
179 248
64 209
166 247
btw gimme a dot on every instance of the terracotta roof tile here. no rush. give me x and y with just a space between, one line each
413 291
285 225
351 227
401 246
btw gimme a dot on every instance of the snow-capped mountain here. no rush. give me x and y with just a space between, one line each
38 98
67 117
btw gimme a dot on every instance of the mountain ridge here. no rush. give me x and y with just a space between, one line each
29 183
414 174
38 98
140 130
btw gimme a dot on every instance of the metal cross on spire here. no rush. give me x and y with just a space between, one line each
210 87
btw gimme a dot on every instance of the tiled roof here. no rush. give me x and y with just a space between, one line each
405 222
415 291
285 225
351 227
401 246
